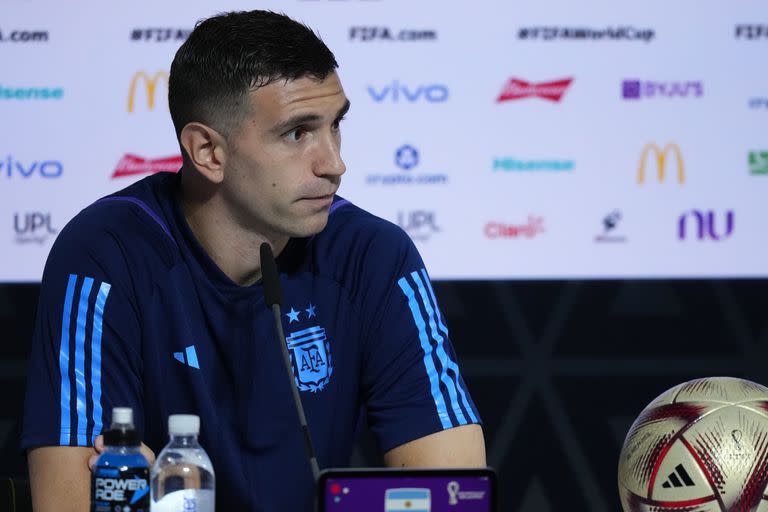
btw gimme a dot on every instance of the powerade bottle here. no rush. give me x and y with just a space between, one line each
182 476
120 478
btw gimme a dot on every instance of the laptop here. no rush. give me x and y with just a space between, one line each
407 490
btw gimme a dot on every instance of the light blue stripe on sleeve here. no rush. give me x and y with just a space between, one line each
82 316
452 365
442 356
98 317
437 396
64 362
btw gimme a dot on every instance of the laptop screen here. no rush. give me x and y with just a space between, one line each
407 491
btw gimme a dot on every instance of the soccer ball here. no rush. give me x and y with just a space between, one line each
701 446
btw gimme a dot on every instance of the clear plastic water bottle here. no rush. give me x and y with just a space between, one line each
182 476
120 478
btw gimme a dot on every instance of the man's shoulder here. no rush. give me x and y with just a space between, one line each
358 247
350 226
128 220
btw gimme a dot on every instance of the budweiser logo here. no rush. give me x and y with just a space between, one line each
132 165
516 89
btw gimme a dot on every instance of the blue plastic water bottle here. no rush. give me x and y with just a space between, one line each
120 478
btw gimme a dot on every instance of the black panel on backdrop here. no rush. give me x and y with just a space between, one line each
558 369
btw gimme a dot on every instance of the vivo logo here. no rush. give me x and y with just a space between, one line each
45 169
705 226
396 92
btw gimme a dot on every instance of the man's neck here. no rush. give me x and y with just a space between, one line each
233 248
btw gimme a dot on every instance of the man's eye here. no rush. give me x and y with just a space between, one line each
296 134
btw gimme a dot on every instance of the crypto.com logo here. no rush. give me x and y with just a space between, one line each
134 165
661 158
150 88
705 225
516 89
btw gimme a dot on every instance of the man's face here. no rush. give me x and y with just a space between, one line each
285 164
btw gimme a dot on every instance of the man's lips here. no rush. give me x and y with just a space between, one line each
318 197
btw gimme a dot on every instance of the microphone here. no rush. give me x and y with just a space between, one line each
273 298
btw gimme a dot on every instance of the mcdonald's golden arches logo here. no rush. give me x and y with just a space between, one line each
661 158
150 87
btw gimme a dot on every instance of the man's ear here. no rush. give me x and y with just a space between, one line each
207 150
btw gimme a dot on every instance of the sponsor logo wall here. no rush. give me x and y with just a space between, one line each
535 148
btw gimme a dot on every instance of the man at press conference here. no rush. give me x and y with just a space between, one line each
171 265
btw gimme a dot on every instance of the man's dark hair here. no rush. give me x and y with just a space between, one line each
230 54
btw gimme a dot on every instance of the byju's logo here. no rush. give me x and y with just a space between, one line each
397 92
33 227
407 158
637 89
516 89
758 162
12 168
373 33
705 225
751 32
150 88
586 34
31 93
508 164
610 225
532 228
419 224
160 35
134 165
188 357
661 158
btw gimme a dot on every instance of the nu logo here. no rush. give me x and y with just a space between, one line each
705 224
661 156
678 478
190 359
150 86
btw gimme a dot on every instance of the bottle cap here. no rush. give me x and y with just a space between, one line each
183 424
122 415
122 432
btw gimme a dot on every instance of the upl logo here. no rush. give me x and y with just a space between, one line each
706 228
33 227
150 88
661 157
397 92
12 168
419 224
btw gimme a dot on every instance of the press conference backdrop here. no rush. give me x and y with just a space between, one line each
546 139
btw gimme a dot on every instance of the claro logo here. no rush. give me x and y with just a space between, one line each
661 157
150 88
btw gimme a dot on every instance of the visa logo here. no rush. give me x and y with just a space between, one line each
45 169
397 92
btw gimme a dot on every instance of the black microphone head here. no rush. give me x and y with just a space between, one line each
269 276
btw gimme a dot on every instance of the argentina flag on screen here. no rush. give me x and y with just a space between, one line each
407 500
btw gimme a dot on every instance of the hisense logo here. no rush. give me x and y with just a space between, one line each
516 165
31 93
